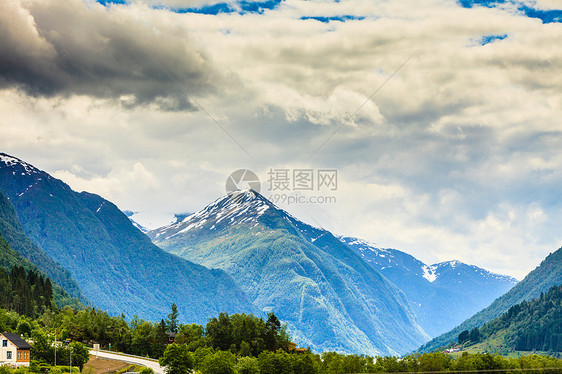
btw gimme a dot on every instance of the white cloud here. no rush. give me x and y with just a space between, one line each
457 156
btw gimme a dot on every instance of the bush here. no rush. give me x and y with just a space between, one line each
146 370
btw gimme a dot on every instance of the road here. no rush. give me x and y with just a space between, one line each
153 364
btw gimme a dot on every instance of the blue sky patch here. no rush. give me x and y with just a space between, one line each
546 16
487 39
240 6
109 2
208 9
258 6
334 18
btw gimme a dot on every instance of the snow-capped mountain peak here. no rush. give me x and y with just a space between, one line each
455 267
233 205
384 258
13 162
235 208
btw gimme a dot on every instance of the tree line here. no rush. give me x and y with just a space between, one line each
177 359
25 292
226 344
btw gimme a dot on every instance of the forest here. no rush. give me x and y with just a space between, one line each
27 293
534 325
226 344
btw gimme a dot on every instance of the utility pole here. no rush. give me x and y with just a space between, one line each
70 359
55 346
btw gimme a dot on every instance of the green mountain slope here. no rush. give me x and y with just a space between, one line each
546 275
10 259
116 266
12 231
328 295
534 325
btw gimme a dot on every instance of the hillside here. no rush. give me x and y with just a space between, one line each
12 231
116 266
534 325
11 261
328 295
442 295
541 279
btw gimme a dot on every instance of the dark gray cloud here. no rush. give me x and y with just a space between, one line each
67 48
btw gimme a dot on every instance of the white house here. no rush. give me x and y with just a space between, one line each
14 351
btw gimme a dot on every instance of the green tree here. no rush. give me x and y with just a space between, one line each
192 335
304 364
245 349
141 341
474 335
24 328
273 327
464 337
220 362
200 354
172 321
80 354
275 362
219 332
159 339
42 349
436 361
248 365
176 359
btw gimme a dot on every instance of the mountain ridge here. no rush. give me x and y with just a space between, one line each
117 266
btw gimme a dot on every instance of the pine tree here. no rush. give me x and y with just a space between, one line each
172 320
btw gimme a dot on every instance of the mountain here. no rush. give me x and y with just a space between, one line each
12 231
116 266
540 280
330 298
441 295
10 260
11 236
534 325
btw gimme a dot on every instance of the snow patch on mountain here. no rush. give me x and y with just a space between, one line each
429 273
387 257
13 161
238 207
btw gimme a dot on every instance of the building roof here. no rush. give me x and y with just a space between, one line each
17 340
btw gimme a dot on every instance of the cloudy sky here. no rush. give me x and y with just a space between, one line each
443 118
